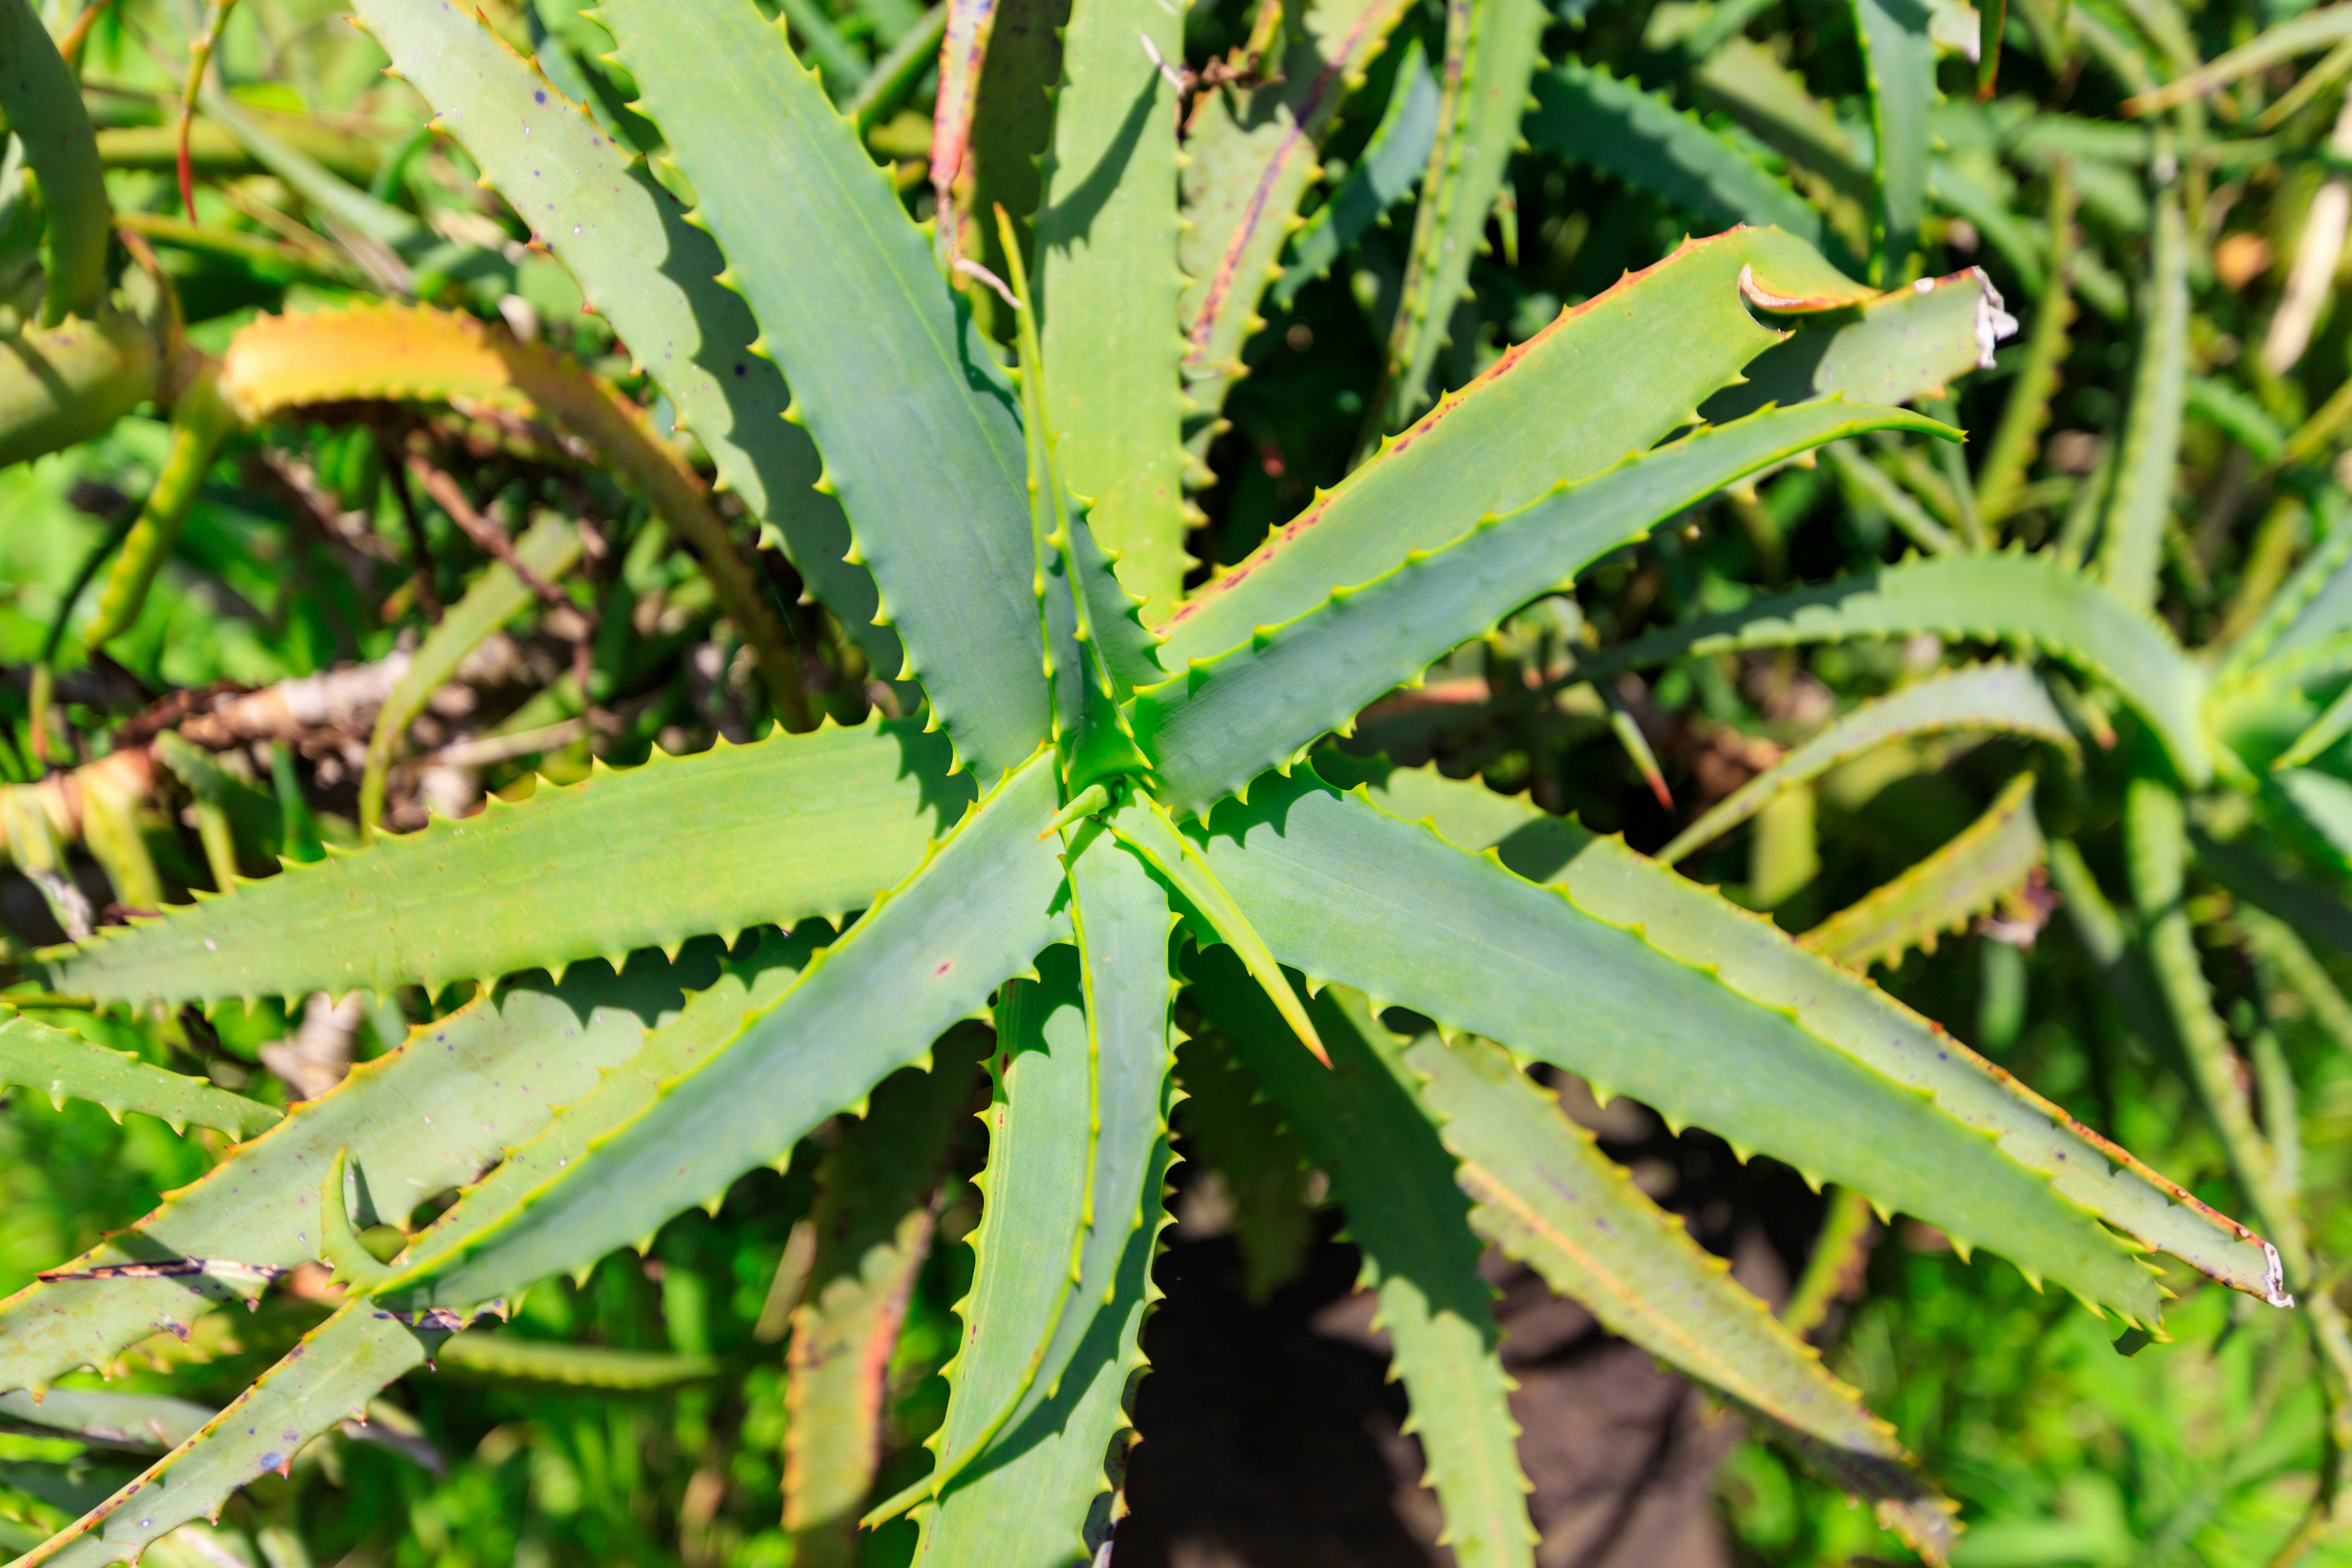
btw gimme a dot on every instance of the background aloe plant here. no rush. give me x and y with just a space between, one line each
1038 770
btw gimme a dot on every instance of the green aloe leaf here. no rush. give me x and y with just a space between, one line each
40 99
1775 1048
1225 720
1381 177
430 1116
1079 1147
1545 1194
1106 239
328 1377
1895 349
1899 61
105 1419
63 1065
1492 50
1986 866
2005 699
201 418
1586 114
68 383
510 1358
1748 81
1366 1125
925 957
778 173
1636 362
2027 601
647 270
786 827
1239 1135
2146 473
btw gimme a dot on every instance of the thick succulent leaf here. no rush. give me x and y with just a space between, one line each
1249 159
1209 730
1748 82
1912 343
328 1377
104 1419
861 307
63 1065
1586 114
1635 362
68 383
1899 61
1238 1134
2028 600
2146 473
877 1194
2322 802
1382 174
925 955
1545 1194
1366 1126
1987 867
1078 1149
41 99
1107 284
423 1118
1773 1047
510 1358
2005 699
1492 50
647 271
2305 618
2001 475
549 548
783 828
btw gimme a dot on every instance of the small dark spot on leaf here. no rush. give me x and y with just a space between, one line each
945 964
539 96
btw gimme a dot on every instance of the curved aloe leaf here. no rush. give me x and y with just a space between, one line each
1912 343
41 102
2030 601
779 172
1584 113
1899 61
1366 1126
785 829
1636 361
1209 730
2002 475
647 270
328 1377
429 1116
2002 697
1773 1047
2304 620
70 381
2323 803
1545 1194
1987 865
1106 235
1392 161
2146 474
1492 50
924 956
64 1065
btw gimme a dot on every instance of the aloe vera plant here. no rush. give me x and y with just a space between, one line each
1108 822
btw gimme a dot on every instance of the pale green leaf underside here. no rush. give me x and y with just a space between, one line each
884 359
2005 699
2028 601
63 1065
1209 730
647 270
779 830
1986 864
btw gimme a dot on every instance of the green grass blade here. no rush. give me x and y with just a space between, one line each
2140 510
926 955
878 1195
63 1065
40 99
786 827
1382 177
1899 62
2004 698
550 547
1775 1048
1587 115
2303 35
1212 729
1106 276
330 1377
1545 1194
1249 160
1636 362
647 271
1366 1125
2025 601
1492 50
861 307
1986 866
